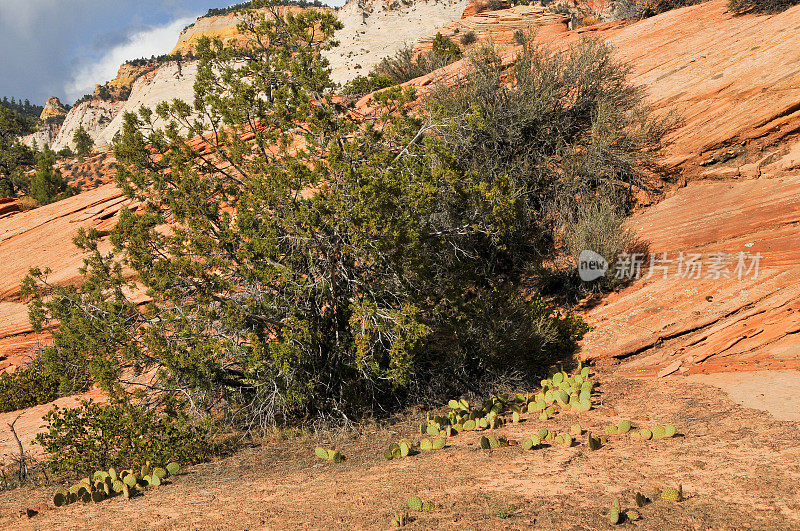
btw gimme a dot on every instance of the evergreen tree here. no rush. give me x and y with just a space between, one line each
305 262
47 184
83 142
14 156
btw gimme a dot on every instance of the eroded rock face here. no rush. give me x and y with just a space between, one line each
43 238
680 324
52 109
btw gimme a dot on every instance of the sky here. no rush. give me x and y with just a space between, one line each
63 47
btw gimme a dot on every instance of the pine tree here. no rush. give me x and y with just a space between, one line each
47 183
83 142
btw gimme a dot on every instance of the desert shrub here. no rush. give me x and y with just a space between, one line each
121 434
26 202
597 226
405 66
760 6
365 84
468 38
516 133
27 387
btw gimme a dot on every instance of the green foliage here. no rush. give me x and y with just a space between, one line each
27 387
83 142
445 48
95 436
305 264
405 65
373 81
23 109
47 185
15 157
65 153
760 6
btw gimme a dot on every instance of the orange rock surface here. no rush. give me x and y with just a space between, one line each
43 238
676 324
735 82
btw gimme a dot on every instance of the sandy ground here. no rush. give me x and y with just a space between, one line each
757 390
739 468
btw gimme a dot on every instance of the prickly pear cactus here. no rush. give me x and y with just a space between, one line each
415 503
60 498
672 494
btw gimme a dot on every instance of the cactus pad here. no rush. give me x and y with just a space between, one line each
60 498
671 494
415 503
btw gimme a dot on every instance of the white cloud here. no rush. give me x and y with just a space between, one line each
152 41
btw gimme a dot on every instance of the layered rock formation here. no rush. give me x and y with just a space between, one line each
43 237
52 109
677 323
735 82
500 26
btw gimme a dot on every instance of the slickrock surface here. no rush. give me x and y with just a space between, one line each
500 26
43 237
677 325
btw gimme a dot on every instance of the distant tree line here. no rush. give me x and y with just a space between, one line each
24 109
215 12
163 58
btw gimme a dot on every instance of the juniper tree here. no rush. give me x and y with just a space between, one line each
303 258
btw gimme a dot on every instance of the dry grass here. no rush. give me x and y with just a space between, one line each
738 468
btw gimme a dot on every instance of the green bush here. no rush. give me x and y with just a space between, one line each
361 85
27 387
83 142
404 275
515 135
760 6
405 66
119 434
47 185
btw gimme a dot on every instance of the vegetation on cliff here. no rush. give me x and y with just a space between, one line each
321 265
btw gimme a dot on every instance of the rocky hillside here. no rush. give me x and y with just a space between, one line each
372 30
731 79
